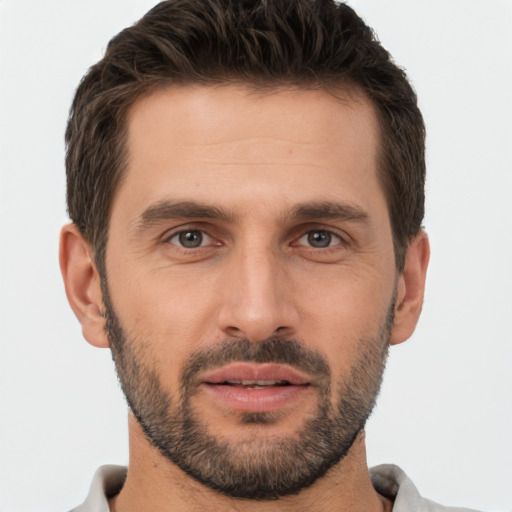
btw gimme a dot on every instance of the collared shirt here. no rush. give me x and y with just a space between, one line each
389 481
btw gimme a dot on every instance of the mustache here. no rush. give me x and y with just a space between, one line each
271 350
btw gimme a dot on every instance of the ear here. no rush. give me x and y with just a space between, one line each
82 283
411 289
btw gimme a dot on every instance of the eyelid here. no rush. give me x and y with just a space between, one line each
206 238
343 237
337 239
184 228
303 231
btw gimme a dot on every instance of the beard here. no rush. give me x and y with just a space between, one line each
262 468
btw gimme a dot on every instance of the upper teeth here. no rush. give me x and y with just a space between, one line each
256 382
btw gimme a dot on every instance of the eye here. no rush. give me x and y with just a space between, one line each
191 239
319 239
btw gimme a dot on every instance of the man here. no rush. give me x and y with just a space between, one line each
246 185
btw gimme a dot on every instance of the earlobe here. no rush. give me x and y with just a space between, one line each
411 289
82 284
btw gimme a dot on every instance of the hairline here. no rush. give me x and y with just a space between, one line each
342 89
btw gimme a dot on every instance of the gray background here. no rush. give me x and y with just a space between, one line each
445 413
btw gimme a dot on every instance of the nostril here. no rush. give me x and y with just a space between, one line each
234 331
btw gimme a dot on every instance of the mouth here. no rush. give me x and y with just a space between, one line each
255 387
249 374
255 384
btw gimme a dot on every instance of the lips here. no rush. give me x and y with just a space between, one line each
255 387
255 384
253 373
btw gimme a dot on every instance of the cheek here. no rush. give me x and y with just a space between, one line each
341 314
347 300
170 317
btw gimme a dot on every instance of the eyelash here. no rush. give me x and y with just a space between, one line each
331 234
203 233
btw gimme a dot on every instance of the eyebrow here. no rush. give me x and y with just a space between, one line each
329 210
168 210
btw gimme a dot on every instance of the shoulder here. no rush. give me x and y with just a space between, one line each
107 482
390 481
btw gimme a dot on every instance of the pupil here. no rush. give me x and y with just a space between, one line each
191 239
319 238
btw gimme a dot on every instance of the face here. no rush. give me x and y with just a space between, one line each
251 281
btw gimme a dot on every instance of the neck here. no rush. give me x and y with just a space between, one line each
155 484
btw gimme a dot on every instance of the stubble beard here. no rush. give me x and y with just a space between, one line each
265 467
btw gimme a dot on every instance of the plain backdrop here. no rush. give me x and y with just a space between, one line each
445 412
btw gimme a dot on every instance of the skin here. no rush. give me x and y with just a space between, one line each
257 157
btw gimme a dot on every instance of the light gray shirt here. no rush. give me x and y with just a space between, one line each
389 481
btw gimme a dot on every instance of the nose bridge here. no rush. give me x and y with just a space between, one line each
256 302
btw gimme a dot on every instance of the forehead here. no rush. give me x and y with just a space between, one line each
209 114
205 141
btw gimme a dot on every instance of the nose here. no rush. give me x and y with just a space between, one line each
257 297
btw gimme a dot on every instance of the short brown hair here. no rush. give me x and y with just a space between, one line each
264 43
